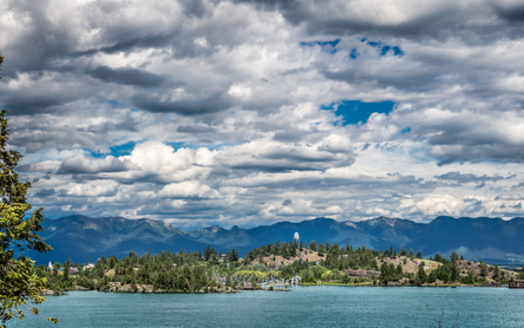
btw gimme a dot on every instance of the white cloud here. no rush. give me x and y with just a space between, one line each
187 189
219 105
95 188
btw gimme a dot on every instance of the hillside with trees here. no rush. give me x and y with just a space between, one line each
270 266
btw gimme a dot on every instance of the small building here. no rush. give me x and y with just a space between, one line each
296 280
50 266
89 266
516 284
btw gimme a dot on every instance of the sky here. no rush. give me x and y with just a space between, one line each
203 112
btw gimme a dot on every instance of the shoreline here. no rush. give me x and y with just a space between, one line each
49 292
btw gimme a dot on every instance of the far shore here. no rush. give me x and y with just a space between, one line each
231 290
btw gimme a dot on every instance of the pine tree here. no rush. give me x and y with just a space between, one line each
521 273
19 284
421 274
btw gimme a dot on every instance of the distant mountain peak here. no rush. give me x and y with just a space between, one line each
383 220
351 224
482 238
214 229
234 228
320 219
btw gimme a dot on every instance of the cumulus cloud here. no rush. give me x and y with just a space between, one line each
467 177
435 205
95 188
79 164
203 112
187 189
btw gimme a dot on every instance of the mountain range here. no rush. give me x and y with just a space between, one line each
84 239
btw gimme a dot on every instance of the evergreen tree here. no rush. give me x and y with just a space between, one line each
207 253
496 273
521 273
19 284
421 274
455 273
384 274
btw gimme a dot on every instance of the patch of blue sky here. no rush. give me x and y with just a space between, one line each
177 145
123 149
115 151
406 130
353 54
327 46
423 154
385 48
211 146
357 111
96 154
113 102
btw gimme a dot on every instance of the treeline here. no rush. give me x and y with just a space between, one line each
341 258
170 272
211 270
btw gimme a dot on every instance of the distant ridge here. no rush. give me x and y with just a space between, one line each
85 239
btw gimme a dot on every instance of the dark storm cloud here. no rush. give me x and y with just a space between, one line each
463 142
20 104
195 8
277 166
289 135
49 48
367 183
126 45
421 80
40 43
468 177
128 76
35 133
45 193
292 155
204 104
513 12
436 20
196 129
79 165
478 153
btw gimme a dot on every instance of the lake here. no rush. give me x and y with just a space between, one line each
318 306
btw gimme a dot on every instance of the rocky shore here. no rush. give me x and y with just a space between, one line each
117 287
50 292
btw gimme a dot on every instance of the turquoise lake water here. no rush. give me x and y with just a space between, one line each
303 307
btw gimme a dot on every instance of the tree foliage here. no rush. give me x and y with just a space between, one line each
19 284
521 273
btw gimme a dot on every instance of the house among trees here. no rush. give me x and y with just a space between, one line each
516 284
296 280
87 267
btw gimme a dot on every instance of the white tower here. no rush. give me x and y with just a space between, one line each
296 237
